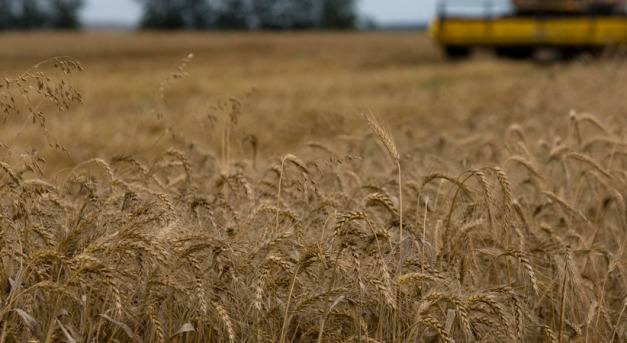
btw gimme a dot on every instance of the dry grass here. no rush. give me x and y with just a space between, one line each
147 214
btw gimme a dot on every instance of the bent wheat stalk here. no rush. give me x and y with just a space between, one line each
386 138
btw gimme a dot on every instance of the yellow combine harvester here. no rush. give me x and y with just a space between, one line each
564 27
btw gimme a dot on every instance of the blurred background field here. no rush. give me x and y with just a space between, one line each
293 88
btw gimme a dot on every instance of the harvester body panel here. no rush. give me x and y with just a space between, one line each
527 31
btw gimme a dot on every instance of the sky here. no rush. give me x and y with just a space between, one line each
127 12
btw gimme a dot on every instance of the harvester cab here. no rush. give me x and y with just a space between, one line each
569 7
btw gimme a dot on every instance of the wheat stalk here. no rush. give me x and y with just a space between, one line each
386 138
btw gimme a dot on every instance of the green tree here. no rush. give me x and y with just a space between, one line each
246 14
232 14
39 14
64 14
30 15
176 14
286 14
304 14
6 15
266 14
338 14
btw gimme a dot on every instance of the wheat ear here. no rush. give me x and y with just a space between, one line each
386 138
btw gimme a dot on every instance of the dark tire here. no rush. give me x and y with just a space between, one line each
515 53
457 52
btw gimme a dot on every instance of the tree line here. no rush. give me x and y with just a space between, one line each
248 14
39 14
191 14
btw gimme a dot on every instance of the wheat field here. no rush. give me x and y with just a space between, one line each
309 187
